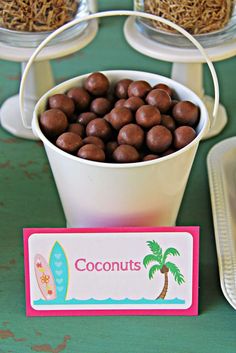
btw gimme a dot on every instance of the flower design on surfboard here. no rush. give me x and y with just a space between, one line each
44 278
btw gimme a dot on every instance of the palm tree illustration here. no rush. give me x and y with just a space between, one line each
162 265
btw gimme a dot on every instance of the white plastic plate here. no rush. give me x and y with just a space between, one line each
221 164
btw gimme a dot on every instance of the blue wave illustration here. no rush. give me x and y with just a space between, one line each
110 301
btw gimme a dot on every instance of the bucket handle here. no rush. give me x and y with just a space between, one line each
119 13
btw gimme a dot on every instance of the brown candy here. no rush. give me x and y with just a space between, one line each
125 154
186 113
133 103
131 134
53 122
107 117
173 103
148 116
150 157
91 152
183 135
168 121
100 106
62 102
139 89
95 141
99 127
120 103
121 88
97 84
160 99
86 117
110 148
164 87
69 142
119 117
76 128
80 97
158 139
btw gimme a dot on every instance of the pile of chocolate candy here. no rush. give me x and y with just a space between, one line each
129 122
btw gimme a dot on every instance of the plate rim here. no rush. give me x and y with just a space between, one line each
220 212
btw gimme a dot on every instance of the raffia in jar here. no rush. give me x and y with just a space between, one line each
196 16
35 16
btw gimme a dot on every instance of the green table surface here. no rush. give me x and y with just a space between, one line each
28 198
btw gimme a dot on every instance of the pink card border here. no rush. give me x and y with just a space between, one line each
192 311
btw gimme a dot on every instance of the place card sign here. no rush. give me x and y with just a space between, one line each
111 271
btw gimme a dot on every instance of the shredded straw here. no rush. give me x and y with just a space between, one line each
36 15
196 16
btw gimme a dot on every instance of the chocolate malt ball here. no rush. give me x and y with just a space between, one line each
91 152
125 154
119 117
168 121
133 103
120 103
69 142
53 122
121 88
158 139
86 117
62 102
164 87
80 97
159 99
132 135
186 113
100 106
95 141
110 148
173 103
99 127
183 135
97 84
76 128
107 117
139 89
150 157
147 116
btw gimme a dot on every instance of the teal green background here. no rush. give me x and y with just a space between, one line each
28 198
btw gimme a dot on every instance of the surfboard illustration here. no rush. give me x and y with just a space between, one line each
59 267
44 278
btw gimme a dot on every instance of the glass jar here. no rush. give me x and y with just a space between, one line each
211 21
196 16
36 16
27 28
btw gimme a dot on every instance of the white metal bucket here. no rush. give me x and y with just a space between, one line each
95 194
